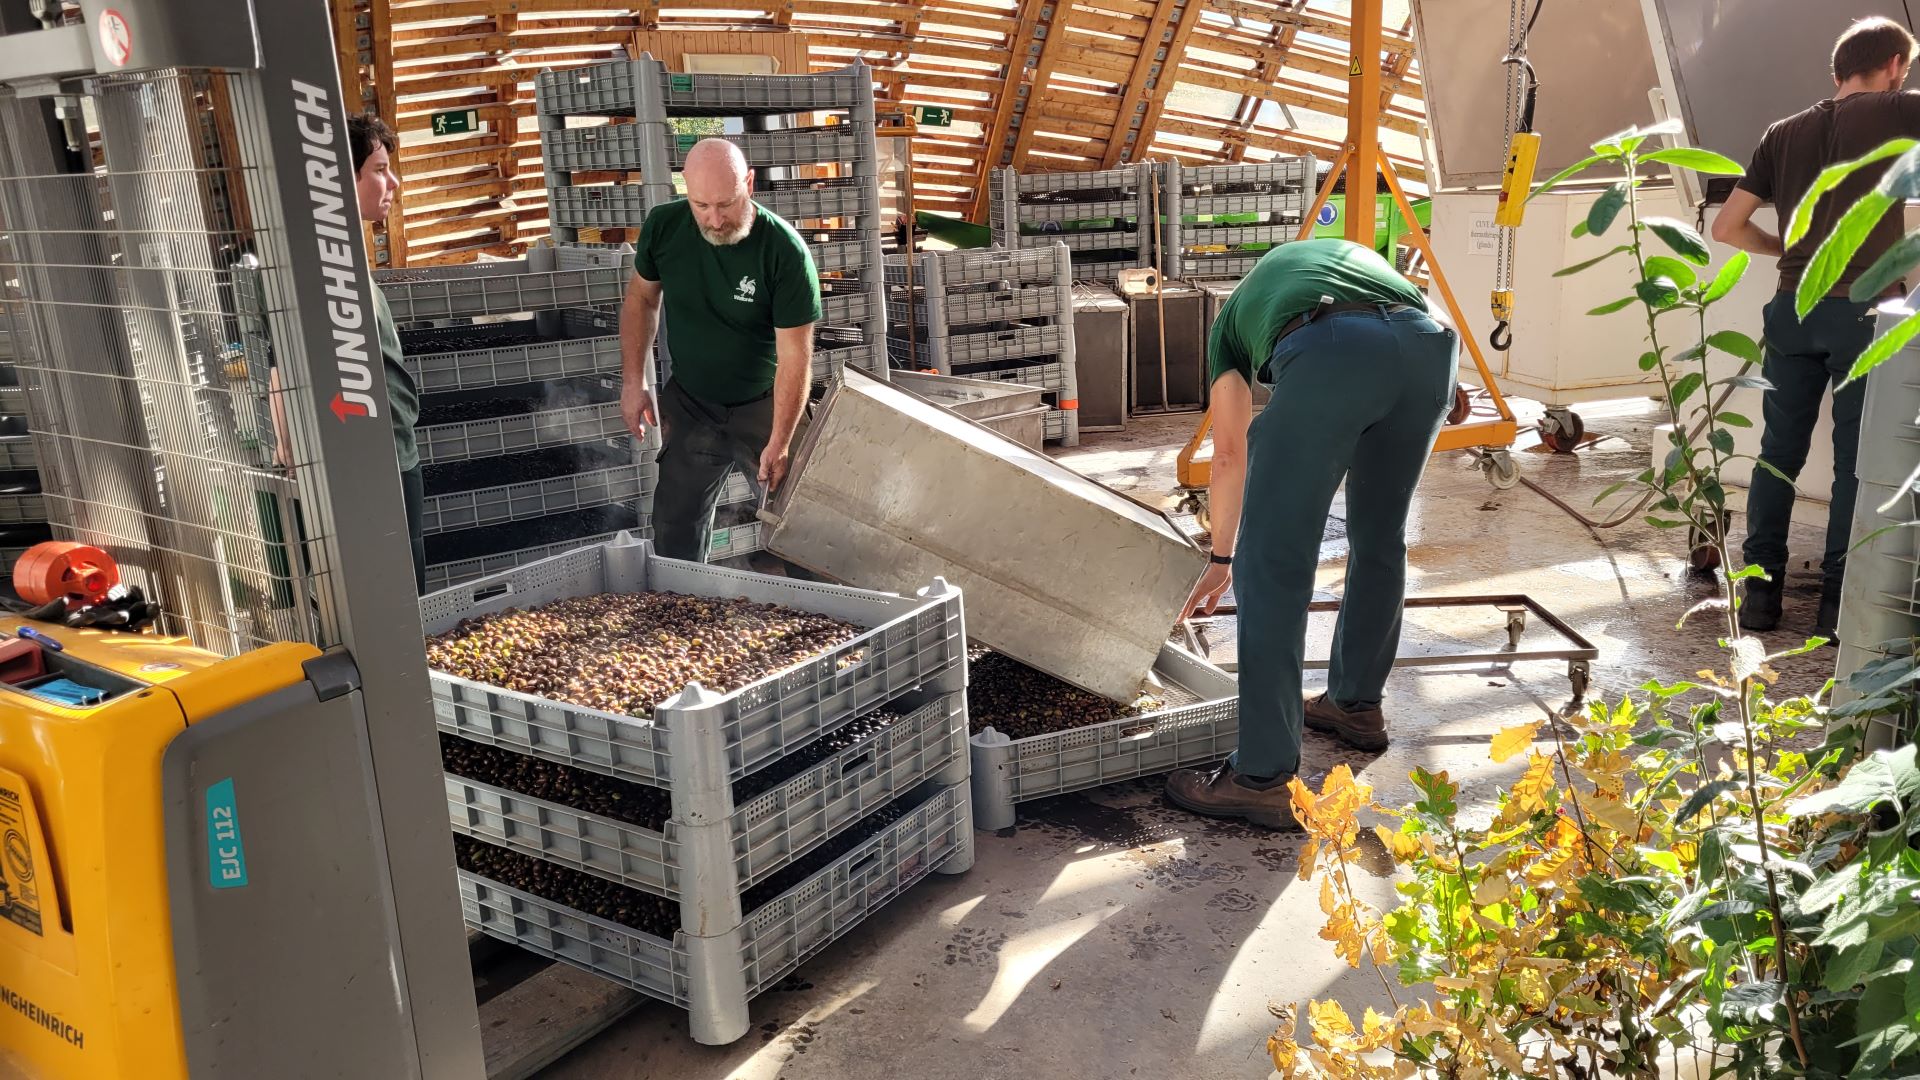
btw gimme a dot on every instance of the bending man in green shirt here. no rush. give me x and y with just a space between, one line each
740 295
1362 377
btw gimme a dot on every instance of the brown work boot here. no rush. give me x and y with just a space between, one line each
1221 792
1362 729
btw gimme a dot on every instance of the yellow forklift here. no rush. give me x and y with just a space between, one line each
223 822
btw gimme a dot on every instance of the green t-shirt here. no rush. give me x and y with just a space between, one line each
1288 282
722 304
403 398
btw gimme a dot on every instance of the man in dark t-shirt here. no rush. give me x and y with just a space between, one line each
1803 357
740 294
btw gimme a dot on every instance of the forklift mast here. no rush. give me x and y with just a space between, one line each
178 217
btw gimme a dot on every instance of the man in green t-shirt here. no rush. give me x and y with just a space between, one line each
1362 377
740 296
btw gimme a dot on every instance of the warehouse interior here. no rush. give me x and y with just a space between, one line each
312 766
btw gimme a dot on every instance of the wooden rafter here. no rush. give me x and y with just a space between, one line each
1163 74
1024 47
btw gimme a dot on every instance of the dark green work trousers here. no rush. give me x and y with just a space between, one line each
700 441
1357 396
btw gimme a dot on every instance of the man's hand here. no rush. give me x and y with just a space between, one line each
1208 590
773 466
636 406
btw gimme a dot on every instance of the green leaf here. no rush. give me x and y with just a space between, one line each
1441 794
1831 257
1580 229
1729 276
1607 207
1681 237
1565 174
1721 440
1735 343
1750 1002
1684 387
1890 267
1649 361
1667 266
1658 293
1887 1029
1608 309
1664 860
1829 178
1827 891
1750 382
1609 490
1698 801
1901 181
1726 909
1568 271
1700 161
1734 419
1885 345
1851 966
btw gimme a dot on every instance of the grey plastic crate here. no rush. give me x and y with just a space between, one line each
1132 207
846 309
732 541
512 434
842 256
1126 177
768 831
1061 426
1196 235
1087 240
605 206
515 364
984 347
1204 728
1218 267
1056 377
1294 206
834 143
910 641
605 147
680 94
738 490
715 977
869 356
538 498
9 556
594 90
13 401
1297 172
448 574
932 310
808 204
22 509
504 294
17 453
976 266
454 272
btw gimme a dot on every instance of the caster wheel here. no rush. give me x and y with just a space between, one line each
1195 503
1561 432
1581 677
1516 626
1462 406
1502 473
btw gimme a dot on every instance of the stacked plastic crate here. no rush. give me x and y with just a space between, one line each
989 313
1219 219
521 439
23 511
1104 218
735 834
609 122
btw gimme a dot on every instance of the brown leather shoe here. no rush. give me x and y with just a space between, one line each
1362 729
1220 792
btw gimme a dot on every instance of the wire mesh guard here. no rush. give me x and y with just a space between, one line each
140 252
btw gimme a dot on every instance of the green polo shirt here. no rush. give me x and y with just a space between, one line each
403 398
1290 281
722 304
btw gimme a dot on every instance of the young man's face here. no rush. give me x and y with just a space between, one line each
377 185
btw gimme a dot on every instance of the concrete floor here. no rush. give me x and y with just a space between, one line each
1111 935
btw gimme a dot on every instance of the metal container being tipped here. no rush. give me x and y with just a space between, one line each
1059 571
1015 410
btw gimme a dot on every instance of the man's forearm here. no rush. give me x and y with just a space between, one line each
1226 486
638 323
1752 238
790 381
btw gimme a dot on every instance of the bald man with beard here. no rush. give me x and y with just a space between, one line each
740 295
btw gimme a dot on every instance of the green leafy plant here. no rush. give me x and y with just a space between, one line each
1680 878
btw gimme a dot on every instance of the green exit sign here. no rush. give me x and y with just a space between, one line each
456 122
933 115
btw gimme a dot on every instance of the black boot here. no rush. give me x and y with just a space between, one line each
1827 625
1760 602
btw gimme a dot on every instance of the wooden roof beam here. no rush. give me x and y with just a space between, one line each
1146 92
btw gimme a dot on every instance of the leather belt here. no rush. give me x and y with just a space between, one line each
1323 310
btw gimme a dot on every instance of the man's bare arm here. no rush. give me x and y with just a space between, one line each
639 321
794 347
1734 225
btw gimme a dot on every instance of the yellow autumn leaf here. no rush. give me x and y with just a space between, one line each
1329 900
1449 982
1531 985
1617 816
1492 889
1398 844
1328 1021
1529 794
1511 741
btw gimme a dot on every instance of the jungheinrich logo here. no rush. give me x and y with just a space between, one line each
331 230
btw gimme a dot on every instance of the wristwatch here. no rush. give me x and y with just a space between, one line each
1222 560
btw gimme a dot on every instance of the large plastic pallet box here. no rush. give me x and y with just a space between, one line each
831 144
1097 215
700 736
953 353
17 453
539 498
714 977
945 295
514 434
1199 724
460 571
22 509
415 298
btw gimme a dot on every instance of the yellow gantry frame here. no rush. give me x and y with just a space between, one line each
1193 467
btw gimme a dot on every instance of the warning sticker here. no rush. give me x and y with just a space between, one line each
21 855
